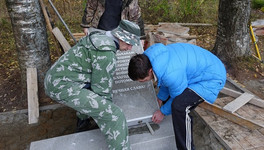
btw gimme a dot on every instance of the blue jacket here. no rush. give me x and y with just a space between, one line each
180 66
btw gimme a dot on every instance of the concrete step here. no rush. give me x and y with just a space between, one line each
162 139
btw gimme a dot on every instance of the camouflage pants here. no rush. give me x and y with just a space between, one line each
108 116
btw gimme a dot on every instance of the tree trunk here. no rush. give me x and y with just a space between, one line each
233 37
31 40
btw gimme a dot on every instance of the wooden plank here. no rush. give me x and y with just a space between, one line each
46 16
79 34
150 39
59 36
230 92
254 101
258 26
238 102
187 24
231 116
32 91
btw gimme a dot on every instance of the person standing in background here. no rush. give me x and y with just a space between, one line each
106 14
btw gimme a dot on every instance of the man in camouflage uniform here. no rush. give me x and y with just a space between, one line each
106 14
82 79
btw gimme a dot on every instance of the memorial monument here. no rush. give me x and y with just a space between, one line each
137 100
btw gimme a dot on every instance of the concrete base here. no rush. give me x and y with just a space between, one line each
163 138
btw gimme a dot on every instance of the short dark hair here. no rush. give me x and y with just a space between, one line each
139 67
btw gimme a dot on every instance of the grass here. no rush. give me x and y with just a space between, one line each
8 54
193 11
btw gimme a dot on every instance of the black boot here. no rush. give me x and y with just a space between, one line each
86 124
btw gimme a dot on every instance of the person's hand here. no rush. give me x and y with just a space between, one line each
157 117
142 42
159 102
86 31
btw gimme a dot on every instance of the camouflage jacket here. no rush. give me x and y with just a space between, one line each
95 8
83 64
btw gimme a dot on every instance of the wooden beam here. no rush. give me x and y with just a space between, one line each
187 24
231 116
258 26
49 25
78 34
32 90
238 102
64 43
254 101
150 39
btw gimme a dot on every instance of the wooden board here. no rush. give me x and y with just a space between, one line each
187 24
231 116
248 130
46 16
255 101
59 36
32 91
150 39
232 135
78 36
238 102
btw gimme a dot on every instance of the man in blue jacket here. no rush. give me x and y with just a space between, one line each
186 76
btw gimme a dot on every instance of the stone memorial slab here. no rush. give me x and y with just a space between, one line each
137 100
162 139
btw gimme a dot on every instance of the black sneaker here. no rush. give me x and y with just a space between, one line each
86 124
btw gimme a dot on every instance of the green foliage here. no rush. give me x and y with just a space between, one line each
4 22
84 3
202 11
189 8
257 4
156 10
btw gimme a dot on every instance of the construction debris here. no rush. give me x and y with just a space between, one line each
165 33
258 27
168 33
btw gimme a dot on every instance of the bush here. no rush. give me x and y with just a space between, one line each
257 4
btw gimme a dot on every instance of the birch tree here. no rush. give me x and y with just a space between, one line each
31 40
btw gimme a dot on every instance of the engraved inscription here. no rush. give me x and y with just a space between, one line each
129 89
121 67
136 99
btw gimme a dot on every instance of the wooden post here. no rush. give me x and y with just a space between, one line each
32 90
49 26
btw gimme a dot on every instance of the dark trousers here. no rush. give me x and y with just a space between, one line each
182 121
